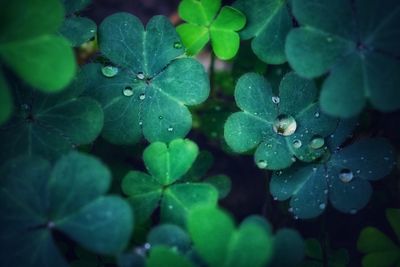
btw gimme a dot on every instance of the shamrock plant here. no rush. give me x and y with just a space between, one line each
342 177
76 29
145 88
50 124
268 23
30 47
167 163
356 42
283 127
379 248
37 200
332 258
203 22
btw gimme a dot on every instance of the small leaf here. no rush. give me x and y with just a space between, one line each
169 163
287 242
373 240
78 30
164 257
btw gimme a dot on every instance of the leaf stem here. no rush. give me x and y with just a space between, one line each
212 75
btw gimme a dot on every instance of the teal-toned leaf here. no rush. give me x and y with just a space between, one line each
393 216
222 183
102 224
268 23
144 193
131 260
73 6
178 200
287 242
343 131
148 93
285 126
46 62
164 257
169 235
6 102
352 47
23 20
204 24
200 167
50 125
78 30
168 163
219 244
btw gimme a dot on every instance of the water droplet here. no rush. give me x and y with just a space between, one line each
293 159
358 171
317 114
142 96
170 207
276 99
314 169
140 76
177 45
296 217
322 206
297 143
326 191
140 123
128 91
290 210
346 175
160 117
275 198
262 164
329 39
147 246
317 142
285 125
170 129
109 71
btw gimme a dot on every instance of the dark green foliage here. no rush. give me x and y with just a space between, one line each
357 43
37 199
316 258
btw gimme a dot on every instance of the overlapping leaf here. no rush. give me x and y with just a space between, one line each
343 178
166 165
315 255
50 124
283 128
356 42
147 89
268 23
203 24
37 199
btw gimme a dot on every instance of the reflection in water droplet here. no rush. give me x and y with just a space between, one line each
322 206
317 142
297 143
262 164
177 45
317 114
109 71
170 129
142 96
140 76
147 246
346 175
140 123
128 91
276 99
160 117
285 125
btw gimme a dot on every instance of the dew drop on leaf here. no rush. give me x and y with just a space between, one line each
128 91
285 125
322 206
276 99
109 71
160 117
142 97
170 129
262 164
317 114
297 143
177 45
346 175
317 142
140 76
147 246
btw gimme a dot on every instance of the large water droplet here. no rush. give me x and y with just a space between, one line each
128 91
109 71
346 175
317 142
297 143
142 96
285 125
140 76
262 164
177 45
276 99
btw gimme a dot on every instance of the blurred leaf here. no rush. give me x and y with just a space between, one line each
164 257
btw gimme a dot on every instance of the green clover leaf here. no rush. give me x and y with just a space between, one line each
315 255
169 235
268 23
37 199
167 164
147 90
161 256
283 127
380 249
50 124
343 178
287 242
358 49
204 24
220 244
